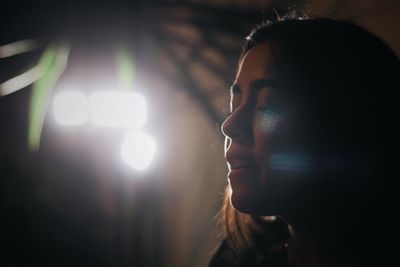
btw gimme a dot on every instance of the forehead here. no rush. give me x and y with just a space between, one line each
256 63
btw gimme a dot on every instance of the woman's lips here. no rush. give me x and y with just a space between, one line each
242 172
241 163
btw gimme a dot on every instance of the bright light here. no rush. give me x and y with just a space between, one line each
117 109
138 149
70 108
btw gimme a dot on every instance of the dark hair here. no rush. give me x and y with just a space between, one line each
322 62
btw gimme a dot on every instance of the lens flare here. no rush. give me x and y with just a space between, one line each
138 149
290 162
267 120
117 109
70 108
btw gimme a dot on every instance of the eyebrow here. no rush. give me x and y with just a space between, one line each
255 85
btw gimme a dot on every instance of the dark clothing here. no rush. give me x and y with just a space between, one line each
272 256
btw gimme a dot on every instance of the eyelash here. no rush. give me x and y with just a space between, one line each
257 109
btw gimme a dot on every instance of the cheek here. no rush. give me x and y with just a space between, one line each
262 149
266 145
266 133
267 121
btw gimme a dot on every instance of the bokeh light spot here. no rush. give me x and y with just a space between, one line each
70 108
138 149
117 109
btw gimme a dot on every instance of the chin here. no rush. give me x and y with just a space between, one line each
250 202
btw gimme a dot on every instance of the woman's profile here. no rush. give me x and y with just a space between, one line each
311 148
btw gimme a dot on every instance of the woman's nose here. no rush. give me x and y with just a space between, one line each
237 126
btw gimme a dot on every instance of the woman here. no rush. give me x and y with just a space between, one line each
310 146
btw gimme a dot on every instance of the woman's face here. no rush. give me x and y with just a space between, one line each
247 142
257 146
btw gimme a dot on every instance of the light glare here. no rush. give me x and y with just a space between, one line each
14 84
117 109
70 108
138 150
